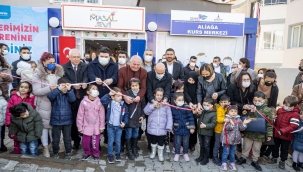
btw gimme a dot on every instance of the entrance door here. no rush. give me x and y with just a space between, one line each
137 47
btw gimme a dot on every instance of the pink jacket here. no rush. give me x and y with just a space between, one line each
91 117
16 99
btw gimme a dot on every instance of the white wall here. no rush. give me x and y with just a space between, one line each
269 12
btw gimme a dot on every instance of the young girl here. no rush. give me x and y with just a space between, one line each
24 94
3 104
159 122
91 122
136 116
231 136
297 146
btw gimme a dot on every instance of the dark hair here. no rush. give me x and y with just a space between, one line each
116 89
177 85
85 54
2 44
133 80
208 68
193 57
29 86
209 100
13 89
245 61
239 80
158 89
218 58
18 109
176 58
45 56
232 107
104 50
260 94
262 69
3 62
224 97
291 100
3 95
270 74
170 49
176 95
123 52
90 86
63 80
24 48
32 62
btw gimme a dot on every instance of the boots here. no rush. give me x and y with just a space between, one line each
205 157
153 151
200 158
135 147
295 166
300 164
130 154
160 153
46 151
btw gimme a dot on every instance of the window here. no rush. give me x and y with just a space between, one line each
76 1
274 2
273 40
267 40
297 36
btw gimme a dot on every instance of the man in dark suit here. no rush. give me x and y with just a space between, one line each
174 68
76 72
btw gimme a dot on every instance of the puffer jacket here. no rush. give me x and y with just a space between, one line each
5 82
16 99
231 134
91 117
209 119
133 121
42 103
160 120
183 121
297 143
27 129
61 113
3 105
221 111
286 122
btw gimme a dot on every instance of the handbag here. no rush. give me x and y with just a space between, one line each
257 125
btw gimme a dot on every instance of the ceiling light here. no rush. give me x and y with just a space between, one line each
97 43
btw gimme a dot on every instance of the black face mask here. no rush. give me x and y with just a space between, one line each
88 59
268 83
206 77
300 68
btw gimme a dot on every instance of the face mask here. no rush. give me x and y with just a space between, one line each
288 108
5 52
50 66
215 65
103 61
95 93
181 103
246 84
300 68
88 59
121 61
192 64
206 77
258 103
239 66
260 75
163 60
135 92
149 58
159 76
232 70
26 56
207 107
268 84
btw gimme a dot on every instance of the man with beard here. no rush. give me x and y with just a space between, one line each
174 68
298 79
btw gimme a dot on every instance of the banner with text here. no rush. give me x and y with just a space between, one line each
103 18
24 26
195 23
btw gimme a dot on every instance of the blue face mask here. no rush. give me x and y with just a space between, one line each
50 66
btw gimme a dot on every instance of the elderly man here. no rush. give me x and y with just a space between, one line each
148 60
76 72
174 68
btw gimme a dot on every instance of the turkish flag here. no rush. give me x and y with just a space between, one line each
65 44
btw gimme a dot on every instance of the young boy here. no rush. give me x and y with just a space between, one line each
287 120
61 116
206 124
221 110
26 123
116 118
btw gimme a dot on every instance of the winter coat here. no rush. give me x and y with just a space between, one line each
297 143
27 129
253 74
160 120
183 121
61 113
16 81
42 103
298 79
238 97
16 99
206 89
187 69
91 117
222 69
178 72
190 90
3 105
107 101
286 122
261 137
272 101
133 121
209 119
25 74
5 82
220 114
231 134
296 91
96 70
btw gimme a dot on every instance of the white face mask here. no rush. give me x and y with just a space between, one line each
288 108
192 64
121 61
163 60
239 66
180 103
159 76
260 75
148 58
246 84
207 107
103 61
95 93
26 56
215 64
5 52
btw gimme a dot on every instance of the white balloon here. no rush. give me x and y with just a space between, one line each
53 22
152 26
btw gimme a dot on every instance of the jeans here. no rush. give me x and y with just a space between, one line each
284 149
114 135
131 133
181 140
29 148
217 147
204 144
56 134
229 150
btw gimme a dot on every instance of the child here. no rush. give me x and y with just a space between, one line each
231 136
24 94
3 105
287 120
136 116
183 125
91 122
25 70
253 140
206 123
26 126
116 119
159 123
297 146
61 116
220 113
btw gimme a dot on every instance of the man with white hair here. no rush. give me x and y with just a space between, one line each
76 72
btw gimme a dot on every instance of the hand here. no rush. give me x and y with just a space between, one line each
246 121
192 131
232 123
200 107
122 125
280 133
191 105
274 116
98 81
226 120
84 86
246 107
78 86
253 108
108 81
156 104
137 99
101 131
141 120
215 96
12 135
173 81
62 86
53 87
128 99
268 139
3 75
235 70
164 102
68 86
199 111
202 125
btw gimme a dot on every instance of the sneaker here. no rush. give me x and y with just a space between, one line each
282 165
68 156
233 167
256 166
241 161
55 155
186 158
173 151
273 161
118 158
96 158
224 167
85 158
110 159
167 150
176 158
216 161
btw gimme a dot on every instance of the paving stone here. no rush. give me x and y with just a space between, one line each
3 161
140 158
102 168
102 162
88 169
139 169
32 168
23 165
67 171
57 170
43 169
10 165
74 170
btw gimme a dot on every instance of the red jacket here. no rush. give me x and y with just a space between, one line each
15 99
286 122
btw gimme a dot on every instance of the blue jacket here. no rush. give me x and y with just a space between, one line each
107 101
61 113
183 121
297 143
96 70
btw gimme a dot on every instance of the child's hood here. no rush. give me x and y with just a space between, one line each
17 93
88 101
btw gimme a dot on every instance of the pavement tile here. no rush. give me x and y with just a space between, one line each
10 165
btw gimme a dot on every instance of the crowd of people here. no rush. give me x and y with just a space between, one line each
98 95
